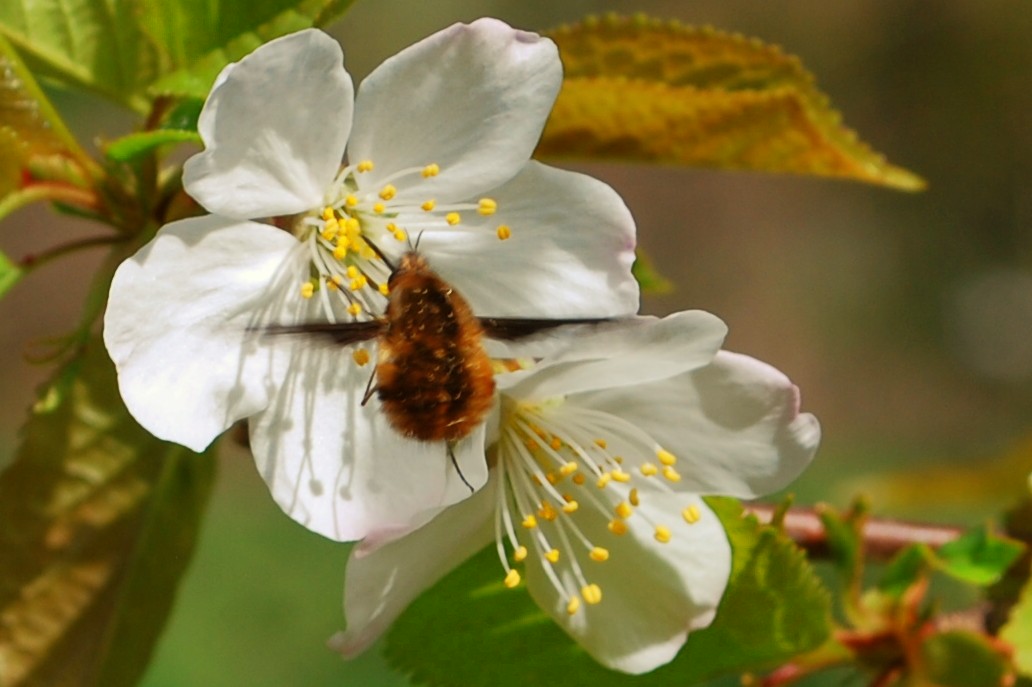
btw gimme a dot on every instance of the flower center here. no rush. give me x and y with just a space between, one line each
573 482
349 237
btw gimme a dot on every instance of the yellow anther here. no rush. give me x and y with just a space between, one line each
648 469
504 232
520 554
352 272
671 474
617 527
662 534
572 605
333 283
568 497
357 284
431 170
665 457
327 214
556 444
341 251
691 514
453 218
623 510
400 235
382 288
487 206
621 476
352 225
603 479
599 554
330 229
633 498
429 205
355 309
579 479
388 192
548 512
365 166
307 289
379 208
601 443
512 578
618 460
567 469
351 200
592 594
530 522
552 556
367 253
570 507
361 356
552 478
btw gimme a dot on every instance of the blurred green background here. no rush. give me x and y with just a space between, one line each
906 320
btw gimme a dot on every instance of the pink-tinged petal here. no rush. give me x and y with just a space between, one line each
569 254
734 425
383 579
177 326
472 98
274 128
337 466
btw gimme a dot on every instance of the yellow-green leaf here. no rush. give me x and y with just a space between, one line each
646 90
97 523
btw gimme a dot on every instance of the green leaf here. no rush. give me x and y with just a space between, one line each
99 522
1018 632
653 91
9 274
238 28
904 570
978 557
845 542
962 659
135 145
650 281
774 609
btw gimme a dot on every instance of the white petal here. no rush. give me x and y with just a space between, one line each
274 127
622 354
382 580
734 425
471 98
569 255
338 467
653 594
177 326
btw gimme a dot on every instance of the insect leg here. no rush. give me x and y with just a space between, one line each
451 454
369 388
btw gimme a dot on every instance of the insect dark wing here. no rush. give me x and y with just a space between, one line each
513 328
341 333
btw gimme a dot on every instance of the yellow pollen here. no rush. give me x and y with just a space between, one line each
552 478
579 479
520 554
365 166
666 457
548 512
572 605
530 522
330 230
341 251
621 476
603 480
552 556
352 225
400 235
356 284
592 594
691 514
567 469
334 282
383 289
361 356
617 527
327 214
570 507
352 272
388 192
648 469
351 200
431 170
623 510
453 218
662 534
429 205
355 309
599 554
601 443
307 289
556 444
378 208
671 474
487 206
633 497
512 578
504 232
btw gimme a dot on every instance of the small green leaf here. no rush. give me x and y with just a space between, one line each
962 659
845 541
1018 632
99 522
774 609
9 274
978 556
650 281
655 91
135 145
904 570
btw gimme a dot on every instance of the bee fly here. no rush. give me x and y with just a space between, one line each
434 379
